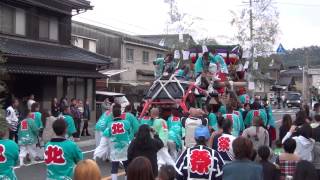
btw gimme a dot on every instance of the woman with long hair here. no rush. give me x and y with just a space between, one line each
146 144
140 168
285 125
258 135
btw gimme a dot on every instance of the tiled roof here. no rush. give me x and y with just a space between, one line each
38 50
52 71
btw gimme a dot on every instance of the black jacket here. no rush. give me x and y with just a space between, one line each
147 150
270 171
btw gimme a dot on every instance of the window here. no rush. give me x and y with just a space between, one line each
129 55
159 55
85 43
48 28
12 20
145 57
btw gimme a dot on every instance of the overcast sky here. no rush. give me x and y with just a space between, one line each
299 19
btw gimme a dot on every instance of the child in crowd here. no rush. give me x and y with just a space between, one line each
9 152
61 155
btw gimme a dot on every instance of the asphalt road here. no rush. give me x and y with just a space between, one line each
37 171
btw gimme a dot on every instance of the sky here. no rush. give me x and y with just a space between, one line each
299 23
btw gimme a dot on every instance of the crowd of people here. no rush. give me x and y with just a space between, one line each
233 138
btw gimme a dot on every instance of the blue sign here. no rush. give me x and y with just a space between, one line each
280 49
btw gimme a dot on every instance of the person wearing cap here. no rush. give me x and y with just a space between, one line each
200 161
9 151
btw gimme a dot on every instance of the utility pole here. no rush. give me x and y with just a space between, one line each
305 81
251 43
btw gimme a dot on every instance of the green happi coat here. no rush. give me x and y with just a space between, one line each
161 128
244 98
159 63
103 121
70 125
223 109
61 156
36 116
146 120
238 113
28 132
175 130
253 113
118 131
236 128
9 155
134 123
213 121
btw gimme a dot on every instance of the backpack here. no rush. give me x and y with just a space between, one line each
191 124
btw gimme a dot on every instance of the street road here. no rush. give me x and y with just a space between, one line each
37 171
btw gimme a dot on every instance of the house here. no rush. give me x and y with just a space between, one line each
131 54
292 78
263 83
35 44
172 41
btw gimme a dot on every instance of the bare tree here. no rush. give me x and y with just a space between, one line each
265 27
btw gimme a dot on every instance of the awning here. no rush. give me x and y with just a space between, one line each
113 72
53 71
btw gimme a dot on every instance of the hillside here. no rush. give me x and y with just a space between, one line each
297 57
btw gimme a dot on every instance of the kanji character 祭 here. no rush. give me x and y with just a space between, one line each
223 144
3 158
54 155
200 161
117 128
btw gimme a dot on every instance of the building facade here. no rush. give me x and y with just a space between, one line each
130 53
38 58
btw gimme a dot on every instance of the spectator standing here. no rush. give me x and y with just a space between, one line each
305 171
140 169
48 132
316 110
223 143
30 101
285 125
200 161
316 128
12 119
287 161
55 109
61 155
146 146
270 171
76 115
87 170
257 134
167 172
9 152
242 168
86 118
304 141
63 102
106 105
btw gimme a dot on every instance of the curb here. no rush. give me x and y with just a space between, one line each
86 143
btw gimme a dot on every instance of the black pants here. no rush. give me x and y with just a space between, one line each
85 127
115 166
77 124
13 135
